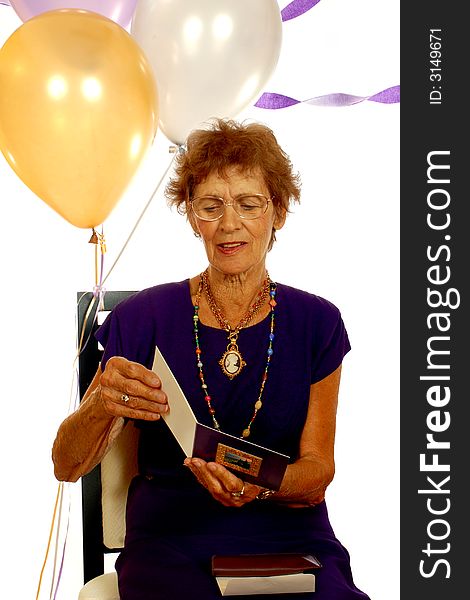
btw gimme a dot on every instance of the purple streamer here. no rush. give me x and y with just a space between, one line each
292 10
335 100
297 8
275 101
388 96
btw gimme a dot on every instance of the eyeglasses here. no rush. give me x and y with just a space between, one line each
247 206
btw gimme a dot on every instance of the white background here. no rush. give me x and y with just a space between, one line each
342 243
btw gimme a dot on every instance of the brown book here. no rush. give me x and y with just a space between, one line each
249 574
262 565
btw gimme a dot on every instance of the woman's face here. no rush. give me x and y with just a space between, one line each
235 245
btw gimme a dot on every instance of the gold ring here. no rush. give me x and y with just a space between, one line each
125 398
238 494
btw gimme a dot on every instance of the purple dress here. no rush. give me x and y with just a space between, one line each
174 526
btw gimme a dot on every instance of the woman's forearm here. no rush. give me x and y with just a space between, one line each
305 482
83 438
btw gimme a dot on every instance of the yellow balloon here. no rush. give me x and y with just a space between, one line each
78 111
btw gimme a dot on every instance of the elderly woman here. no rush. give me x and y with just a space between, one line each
255 358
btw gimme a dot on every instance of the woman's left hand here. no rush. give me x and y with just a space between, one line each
224 486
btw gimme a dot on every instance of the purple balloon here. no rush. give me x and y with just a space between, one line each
120 11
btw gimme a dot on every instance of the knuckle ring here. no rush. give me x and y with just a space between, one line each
124 397
238 494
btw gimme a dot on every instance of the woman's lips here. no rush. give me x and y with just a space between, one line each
229 248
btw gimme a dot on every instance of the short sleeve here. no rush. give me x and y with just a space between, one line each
331 345
141 321
108 334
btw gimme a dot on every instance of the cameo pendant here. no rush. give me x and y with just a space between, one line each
232 361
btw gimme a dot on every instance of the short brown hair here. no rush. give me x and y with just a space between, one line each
227 143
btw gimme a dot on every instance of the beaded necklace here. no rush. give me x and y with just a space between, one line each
258 404
232 361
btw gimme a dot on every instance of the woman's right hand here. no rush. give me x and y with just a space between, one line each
128 389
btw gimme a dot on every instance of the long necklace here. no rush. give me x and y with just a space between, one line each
207 397
232 361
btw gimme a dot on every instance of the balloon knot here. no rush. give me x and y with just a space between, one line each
99 291
180 148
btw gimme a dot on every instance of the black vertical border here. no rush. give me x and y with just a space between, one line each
426 128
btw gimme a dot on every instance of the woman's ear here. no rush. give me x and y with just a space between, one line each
193 222
280 215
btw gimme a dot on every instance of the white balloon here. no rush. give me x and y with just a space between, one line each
211 58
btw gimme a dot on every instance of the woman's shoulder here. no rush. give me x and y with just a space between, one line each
302 300
161 295
314 323
140 314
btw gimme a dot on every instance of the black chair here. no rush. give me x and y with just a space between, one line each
104 489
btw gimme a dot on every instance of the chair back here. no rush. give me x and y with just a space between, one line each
117 469
104 489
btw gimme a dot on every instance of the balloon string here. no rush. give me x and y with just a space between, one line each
179 149
99 290
56 545
59 576
96 264
81 344
98 239
57 516
58 497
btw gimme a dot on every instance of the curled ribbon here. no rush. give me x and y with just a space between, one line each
274 101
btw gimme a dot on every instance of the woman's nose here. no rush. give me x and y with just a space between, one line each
230 220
